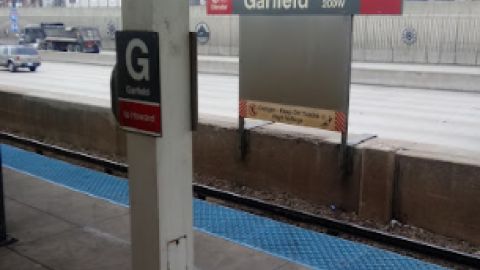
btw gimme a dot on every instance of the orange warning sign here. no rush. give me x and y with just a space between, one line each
295 115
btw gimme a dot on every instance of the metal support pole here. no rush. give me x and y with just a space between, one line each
346 155
4 237
160 168
242 135
193 79
3 226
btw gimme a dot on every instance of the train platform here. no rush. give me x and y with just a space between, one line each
69 217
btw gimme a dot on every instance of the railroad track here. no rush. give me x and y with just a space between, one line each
204 192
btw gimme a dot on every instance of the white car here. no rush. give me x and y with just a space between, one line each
18 56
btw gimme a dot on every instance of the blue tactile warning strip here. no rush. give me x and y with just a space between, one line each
308 248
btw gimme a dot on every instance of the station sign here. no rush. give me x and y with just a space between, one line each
296 69
138 77
304 7
306 80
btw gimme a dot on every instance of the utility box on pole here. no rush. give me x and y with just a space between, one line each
152 101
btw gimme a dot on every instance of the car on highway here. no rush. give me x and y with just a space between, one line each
19 56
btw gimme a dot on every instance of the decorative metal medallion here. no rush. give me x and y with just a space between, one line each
409 36
203 33
111 29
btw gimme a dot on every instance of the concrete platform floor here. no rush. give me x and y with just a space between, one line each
59 229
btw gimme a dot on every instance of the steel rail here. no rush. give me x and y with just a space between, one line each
40 147
203 192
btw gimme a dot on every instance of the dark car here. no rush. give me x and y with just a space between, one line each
31 35
19 56
88 39
57 37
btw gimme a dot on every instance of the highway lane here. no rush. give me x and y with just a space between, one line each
417 115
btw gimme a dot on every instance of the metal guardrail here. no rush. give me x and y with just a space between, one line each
332 225
108 165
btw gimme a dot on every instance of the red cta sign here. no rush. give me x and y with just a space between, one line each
219 6
385 7
140 116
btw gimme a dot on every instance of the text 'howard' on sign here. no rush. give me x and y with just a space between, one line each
139 99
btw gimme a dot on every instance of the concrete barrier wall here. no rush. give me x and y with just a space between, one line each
436 190
81 126
444 32
439 38
438 194
417 77
278 162
79 58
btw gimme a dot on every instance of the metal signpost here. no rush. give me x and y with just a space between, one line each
152 101
5 239
303 77
3 226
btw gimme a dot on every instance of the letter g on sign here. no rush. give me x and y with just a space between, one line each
143 73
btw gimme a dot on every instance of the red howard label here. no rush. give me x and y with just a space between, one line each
140 116
219 6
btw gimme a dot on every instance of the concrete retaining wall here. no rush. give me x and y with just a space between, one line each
436 189
79 58
277 161
438 194
417 76
444 32
75 124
